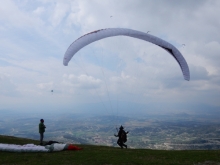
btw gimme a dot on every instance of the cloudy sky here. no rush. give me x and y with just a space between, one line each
112 75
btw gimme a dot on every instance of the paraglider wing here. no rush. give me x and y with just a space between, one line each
104 33
36 148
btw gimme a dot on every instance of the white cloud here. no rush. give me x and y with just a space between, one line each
83 82
39 11
7 87
59 13
10 13
46 86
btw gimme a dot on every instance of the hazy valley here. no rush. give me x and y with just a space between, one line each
169 132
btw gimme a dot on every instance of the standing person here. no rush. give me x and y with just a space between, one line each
122 137
41 130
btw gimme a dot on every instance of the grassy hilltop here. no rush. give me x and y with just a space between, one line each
107 155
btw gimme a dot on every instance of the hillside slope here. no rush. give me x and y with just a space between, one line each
107 155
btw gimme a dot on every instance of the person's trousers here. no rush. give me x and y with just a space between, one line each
41 137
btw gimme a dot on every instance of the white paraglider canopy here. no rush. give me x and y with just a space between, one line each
104 33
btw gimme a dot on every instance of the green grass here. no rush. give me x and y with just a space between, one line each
106 155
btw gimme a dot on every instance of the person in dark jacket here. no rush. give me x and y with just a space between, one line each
41 130
122 137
